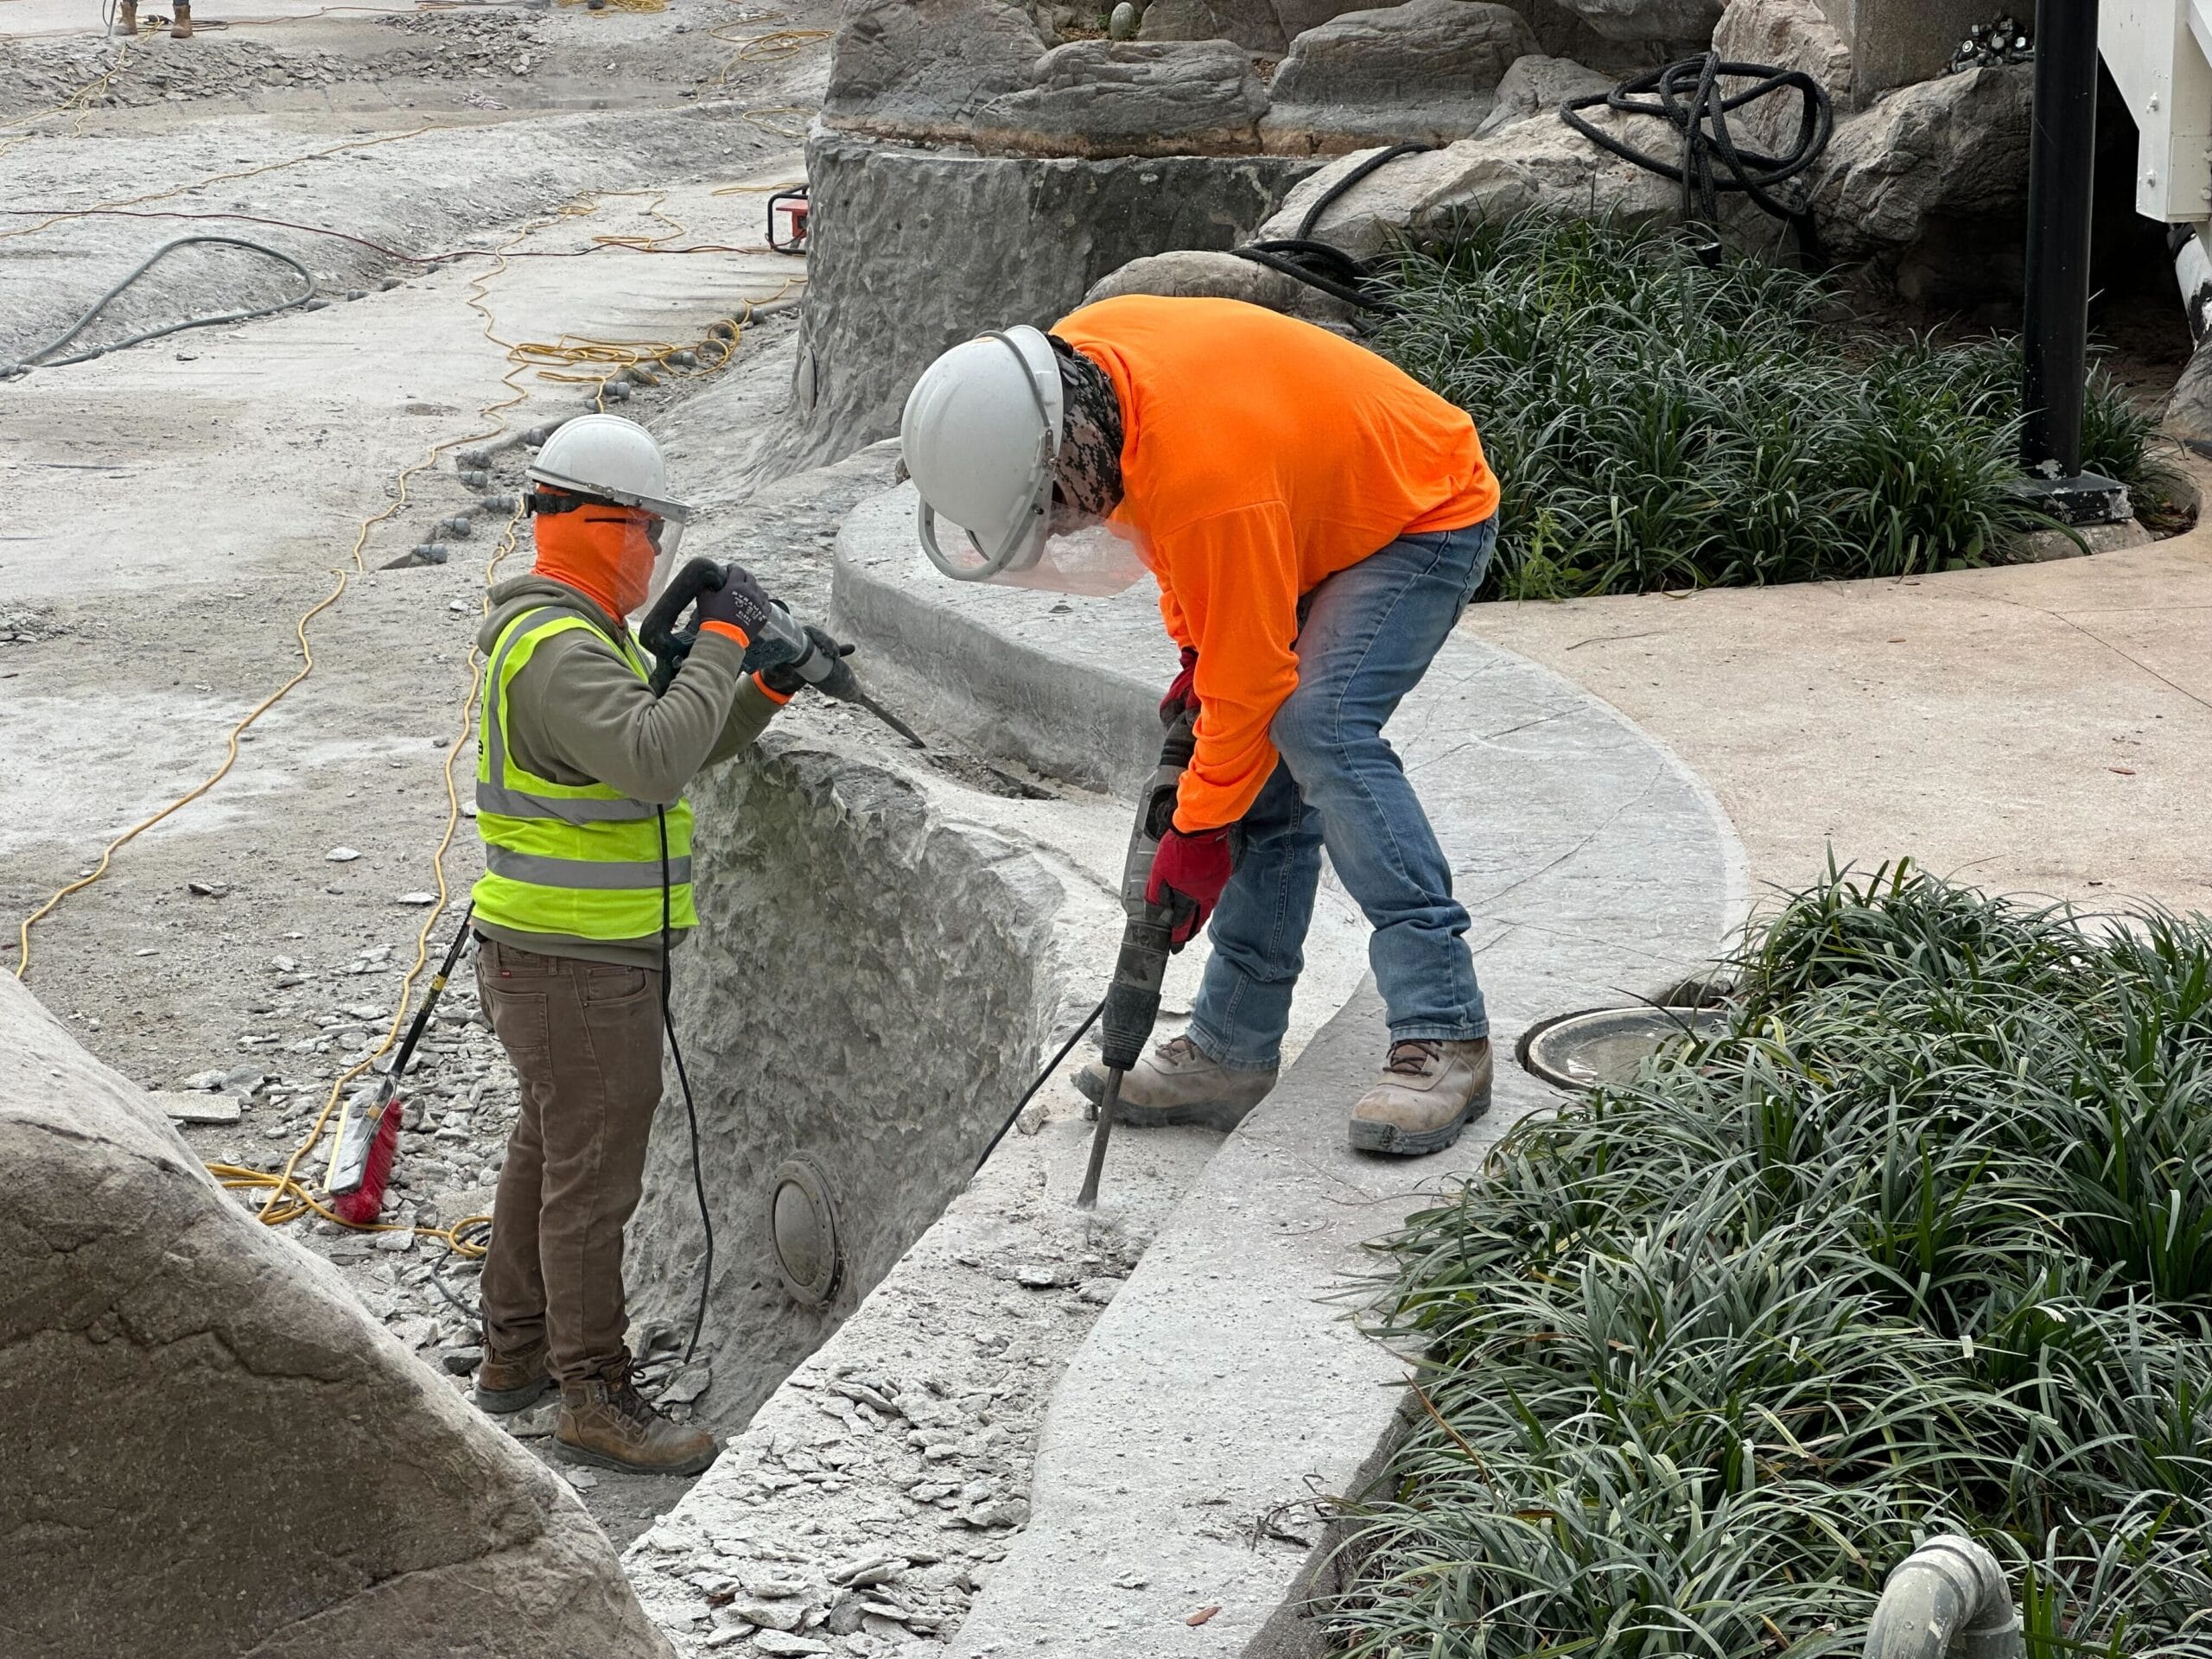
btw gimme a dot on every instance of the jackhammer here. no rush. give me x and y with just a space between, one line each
1132 1004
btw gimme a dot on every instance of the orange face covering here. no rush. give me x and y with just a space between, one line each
603 552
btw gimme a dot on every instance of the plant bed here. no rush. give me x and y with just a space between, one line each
1660 423
1923 1242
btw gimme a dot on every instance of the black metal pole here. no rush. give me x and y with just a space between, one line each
2061 156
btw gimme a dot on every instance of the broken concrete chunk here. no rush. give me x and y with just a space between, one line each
207 889
687 1385
417 899
869 1571
768 1615
341 856
1040 1276
783 1644
197 1107
1099 1291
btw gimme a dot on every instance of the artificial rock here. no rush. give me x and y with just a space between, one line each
1193 274
1424 71
882 1048
915 250
1788 34
1686 23
1534 87
1930 179
231 1455
1540 164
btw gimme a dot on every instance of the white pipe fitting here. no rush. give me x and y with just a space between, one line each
1947 1598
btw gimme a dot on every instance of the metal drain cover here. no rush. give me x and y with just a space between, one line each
1606 1045
803 1232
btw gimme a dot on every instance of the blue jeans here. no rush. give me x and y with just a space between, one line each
1368 634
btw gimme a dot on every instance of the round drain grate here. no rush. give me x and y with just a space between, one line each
803 1229
1606 1045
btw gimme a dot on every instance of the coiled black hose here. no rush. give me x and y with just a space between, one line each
1322 264
1687 95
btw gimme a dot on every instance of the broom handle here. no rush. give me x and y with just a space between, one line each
430 997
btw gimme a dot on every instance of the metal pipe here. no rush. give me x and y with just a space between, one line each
1949 1597
2062 153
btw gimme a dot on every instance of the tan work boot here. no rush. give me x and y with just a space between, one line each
1179 1083
507 1382
605 1420
1427 1093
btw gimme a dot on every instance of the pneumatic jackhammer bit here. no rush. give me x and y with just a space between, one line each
1132 1005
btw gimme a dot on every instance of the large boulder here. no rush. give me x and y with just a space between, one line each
1537 85
1542 164
214 1450
1424 71
1932 181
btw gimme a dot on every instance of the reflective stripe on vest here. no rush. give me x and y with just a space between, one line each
583 859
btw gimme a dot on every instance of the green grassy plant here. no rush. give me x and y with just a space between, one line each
1922 1242
1662 424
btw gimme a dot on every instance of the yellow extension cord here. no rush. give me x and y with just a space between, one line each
288 1197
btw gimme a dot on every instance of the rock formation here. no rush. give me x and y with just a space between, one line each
214 1450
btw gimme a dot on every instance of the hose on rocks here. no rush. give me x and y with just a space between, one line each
1322 264
1688 96
43 357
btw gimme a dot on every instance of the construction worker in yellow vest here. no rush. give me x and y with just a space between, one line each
581 773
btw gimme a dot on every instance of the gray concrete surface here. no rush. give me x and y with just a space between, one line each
2044 729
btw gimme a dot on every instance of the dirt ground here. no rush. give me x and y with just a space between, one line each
181 505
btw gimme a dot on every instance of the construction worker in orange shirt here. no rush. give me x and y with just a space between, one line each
1316 521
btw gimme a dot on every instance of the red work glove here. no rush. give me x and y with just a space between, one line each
1184 694
1188 873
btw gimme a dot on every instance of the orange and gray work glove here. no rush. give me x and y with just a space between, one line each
1183 693
1188 873
739 607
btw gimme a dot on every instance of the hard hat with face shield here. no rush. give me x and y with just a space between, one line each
980 435
605 460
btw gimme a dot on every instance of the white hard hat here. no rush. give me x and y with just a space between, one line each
608 456
980 433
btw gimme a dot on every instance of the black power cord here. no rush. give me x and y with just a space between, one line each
1030 1093
690 1110
1687 95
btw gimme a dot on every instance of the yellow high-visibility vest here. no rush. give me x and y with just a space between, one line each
583 860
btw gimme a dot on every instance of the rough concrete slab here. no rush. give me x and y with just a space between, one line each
2043 728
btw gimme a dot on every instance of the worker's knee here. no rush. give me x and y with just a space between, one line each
1305 730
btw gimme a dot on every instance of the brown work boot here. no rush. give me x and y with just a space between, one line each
507 1382
1428 1091
605 1420
1180 1083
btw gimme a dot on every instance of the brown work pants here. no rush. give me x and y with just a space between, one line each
585 1040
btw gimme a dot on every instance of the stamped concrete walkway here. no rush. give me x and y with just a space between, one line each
2042 728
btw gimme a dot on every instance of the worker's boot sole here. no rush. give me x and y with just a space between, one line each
500 1403
1369 1135
568 1453
1221 1115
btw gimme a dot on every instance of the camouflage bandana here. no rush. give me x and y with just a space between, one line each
1087 477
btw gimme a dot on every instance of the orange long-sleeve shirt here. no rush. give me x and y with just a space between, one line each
1259 455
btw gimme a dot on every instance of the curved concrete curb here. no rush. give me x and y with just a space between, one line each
1220 1394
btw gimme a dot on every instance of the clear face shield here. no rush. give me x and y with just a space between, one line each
1092 558
666 536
